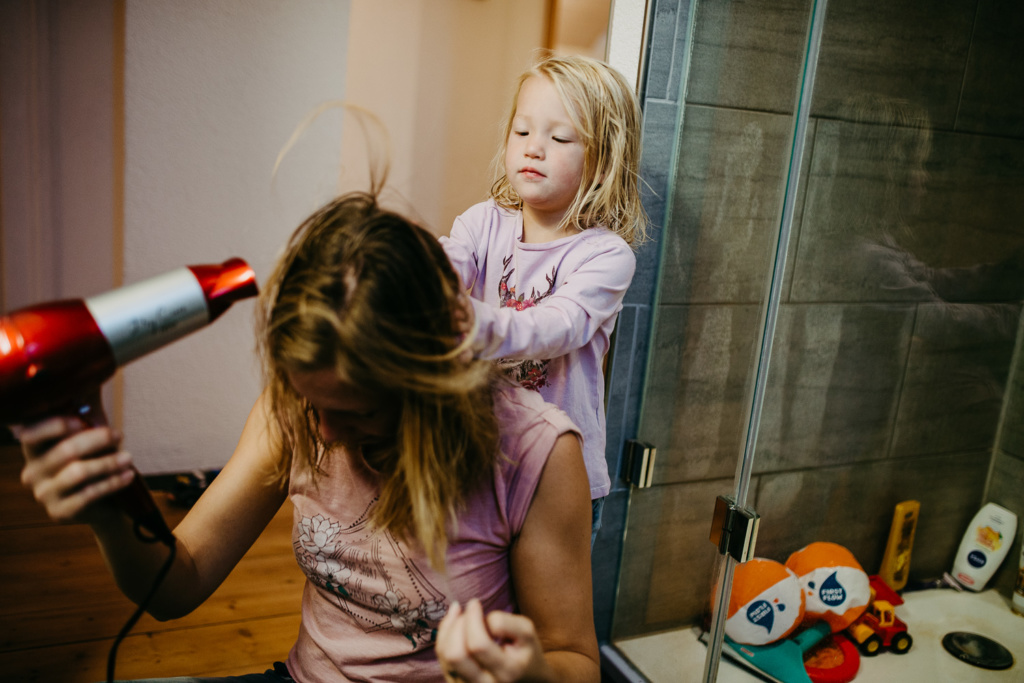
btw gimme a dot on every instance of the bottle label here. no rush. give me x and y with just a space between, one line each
147 315
964 579
989 538
976 559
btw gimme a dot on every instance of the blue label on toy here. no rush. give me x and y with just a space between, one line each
832 592
976 558
760 613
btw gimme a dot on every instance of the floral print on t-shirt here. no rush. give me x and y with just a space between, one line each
370 577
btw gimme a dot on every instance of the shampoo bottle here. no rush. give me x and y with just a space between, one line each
985 543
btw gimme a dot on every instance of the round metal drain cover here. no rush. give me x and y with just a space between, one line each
977 650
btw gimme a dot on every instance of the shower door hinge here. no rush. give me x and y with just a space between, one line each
639 469
734 529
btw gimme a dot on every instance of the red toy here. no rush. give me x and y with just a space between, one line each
879 628
833 660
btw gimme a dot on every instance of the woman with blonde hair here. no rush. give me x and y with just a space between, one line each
423 485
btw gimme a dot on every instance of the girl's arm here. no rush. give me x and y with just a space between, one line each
464 249
581 304
553 639
211 539
566 320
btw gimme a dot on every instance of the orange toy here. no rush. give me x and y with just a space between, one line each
836 587
766 603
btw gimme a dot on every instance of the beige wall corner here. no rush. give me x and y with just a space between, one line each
439 74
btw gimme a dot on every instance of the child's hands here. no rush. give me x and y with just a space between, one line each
70 466
500 647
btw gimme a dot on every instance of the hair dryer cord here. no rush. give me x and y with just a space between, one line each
157 581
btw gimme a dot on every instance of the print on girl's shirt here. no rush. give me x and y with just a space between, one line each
352 564
531 374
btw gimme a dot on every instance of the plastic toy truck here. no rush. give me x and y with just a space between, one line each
879 628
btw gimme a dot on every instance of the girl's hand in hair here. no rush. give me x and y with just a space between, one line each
496 648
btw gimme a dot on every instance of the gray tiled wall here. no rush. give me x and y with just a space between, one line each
891 373
993 94
850 504
956 376
1011 437
728 188
747 55
911 50
914 211
834 385
1006 485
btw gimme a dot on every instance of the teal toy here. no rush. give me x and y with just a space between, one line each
783 660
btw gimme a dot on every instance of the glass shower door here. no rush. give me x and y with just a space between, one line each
731 172
892 375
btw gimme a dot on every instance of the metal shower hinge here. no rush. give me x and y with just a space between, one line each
639 469
734 529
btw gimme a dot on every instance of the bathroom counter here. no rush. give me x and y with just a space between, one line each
678 656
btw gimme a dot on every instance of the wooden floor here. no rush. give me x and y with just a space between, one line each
60 609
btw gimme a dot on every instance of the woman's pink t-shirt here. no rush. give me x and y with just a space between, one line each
372 603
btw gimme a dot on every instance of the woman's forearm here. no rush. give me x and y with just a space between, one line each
135 565
572 667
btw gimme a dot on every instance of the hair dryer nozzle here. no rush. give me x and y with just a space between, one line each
225 284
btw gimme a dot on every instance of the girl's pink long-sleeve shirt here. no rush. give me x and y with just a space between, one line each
546 311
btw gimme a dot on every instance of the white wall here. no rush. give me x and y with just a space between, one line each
213 90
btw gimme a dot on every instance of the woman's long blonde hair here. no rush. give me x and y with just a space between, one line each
606 114
365 292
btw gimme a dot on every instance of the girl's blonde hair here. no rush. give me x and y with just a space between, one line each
606 114
366 293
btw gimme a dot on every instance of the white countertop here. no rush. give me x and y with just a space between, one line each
678 657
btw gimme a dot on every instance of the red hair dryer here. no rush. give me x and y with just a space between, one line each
55 355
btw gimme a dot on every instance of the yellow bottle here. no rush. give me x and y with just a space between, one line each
896 561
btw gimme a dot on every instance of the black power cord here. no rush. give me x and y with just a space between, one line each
172 546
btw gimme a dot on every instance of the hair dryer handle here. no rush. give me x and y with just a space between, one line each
135 499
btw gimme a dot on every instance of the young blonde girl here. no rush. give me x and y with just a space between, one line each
548 258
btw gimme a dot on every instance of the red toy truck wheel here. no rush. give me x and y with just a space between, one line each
901 643
872 646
